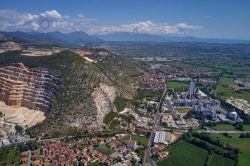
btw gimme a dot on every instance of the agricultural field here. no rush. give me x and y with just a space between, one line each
245 79
229 127
177 86
183 110
224 89
224 127
243 144
218 160
246 127
141 140
184 154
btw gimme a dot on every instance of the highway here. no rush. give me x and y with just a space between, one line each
147 155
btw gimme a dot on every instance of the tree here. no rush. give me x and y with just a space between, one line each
240 126
19 129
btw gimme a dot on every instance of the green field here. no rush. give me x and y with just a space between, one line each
229 127
218 160
184 154
106 150
224 91
245 79
148 93
141 140
178 86
224 127
120 103
243 144
246 127
183 110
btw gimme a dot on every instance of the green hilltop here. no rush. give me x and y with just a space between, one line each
78 80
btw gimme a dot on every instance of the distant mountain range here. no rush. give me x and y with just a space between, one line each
74 38
80 38
128 36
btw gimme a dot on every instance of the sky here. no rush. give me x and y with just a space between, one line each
200 18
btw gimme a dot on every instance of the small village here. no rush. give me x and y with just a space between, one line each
114 151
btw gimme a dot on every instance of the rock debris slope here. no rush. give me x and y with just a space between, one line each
104 97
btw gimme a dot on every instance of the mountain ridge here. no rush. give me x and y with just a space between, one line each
80 38
67 39
130 36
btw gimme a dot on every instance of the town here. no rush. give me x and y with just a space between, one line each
124 83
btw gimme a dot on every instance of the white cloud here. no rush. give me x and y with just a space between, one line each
51 14
11 20
151 28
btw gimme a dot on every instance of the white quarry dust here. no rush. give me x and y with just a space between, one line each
20 115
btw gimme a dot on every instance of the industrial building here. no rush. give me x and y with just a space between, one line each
233 116
192 89
162 137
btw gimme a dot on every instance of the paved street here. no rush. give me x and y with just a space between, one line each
147 155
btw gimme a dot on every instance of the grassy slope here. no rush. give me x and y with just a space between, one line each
242 143
184 154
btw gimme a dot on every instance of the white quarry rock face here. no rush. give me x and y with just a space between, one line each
21 86
104 97
22 116
25 96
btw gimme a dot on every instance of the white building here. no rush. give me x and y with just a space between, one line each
162 137
233 115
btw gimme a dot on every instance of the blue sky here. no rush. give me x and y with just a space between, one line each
202 18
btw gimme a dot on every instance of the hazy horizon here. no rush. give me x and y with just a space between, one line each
223 19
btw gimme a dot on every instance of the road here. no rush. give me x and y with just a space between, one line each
147 155
171 110
29 159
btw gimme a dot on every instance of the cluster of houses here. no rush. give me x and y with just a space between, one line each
161 140
83 152
153 80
